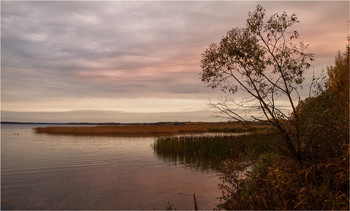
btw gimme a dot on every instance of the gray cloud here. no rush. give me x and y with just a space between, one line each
135 49
77 41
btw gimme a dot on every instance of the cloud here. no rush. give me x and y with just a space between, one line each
52 51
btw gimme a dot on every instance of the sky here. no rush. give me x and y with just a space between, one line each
137 61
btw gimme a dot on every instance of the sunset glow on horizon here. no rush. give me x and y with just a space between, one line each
134 57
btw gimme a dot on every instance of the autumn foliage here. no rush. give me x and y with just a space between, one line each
321 179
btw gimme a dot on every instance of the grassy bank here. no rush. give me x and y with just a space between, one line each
148 129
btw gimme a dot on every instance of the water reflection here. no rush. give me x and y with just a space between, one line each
95 172
195 162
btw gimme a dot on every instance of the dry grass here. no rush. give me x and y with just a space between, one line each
147 129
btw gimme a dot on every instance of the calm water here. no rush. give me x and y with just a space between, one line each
40 171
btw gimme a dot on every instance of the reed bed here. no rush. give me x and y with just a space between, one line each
144 129
209 151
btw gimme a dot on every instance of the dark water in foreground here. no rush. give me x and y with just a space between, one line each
40 171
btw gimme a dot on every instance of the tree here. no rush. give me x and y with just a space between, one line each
265 62
321 179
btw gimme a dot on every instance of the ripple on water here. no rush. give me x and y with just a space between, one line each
70 172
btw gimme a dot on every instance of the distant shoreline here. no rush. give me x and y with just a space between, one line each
67 123
106 123
134 123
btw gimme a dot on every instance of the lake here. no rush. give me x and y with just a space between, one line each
40 171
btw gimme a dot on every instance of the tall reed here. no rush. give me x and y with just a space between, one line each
208 151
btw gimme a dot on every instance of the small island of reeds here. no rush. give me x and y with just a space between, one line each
166 128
